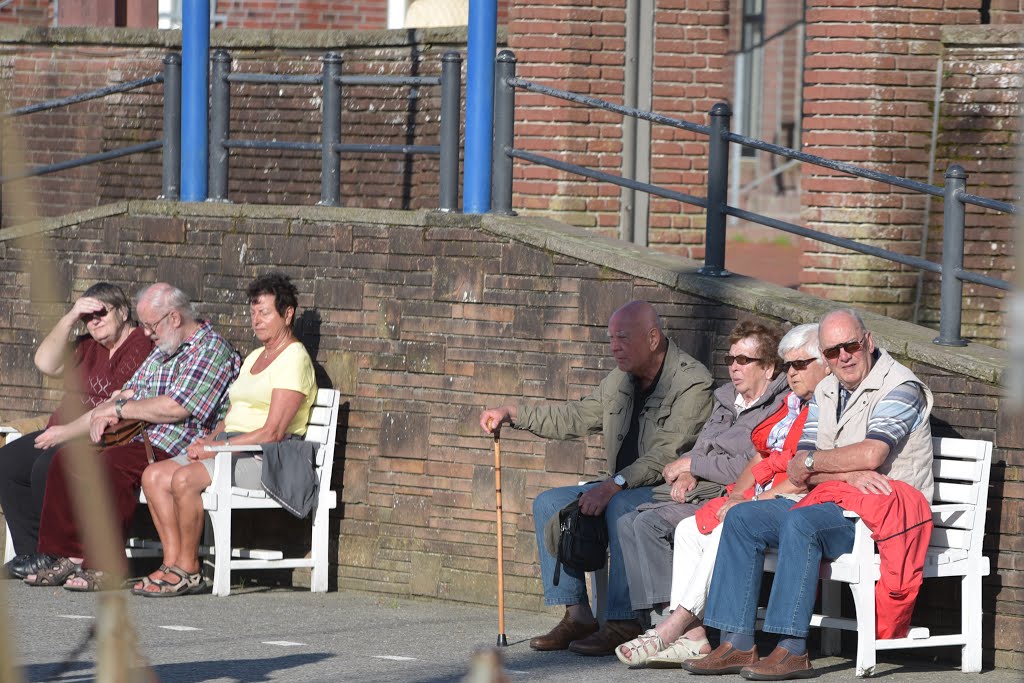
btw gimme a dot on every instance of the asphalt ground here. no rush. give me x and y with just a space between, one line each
261 634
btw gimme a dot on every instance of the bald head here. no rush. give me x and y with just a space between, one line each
638 344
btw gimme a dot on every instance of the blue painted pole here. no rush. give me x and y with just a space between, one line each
195 84
483 41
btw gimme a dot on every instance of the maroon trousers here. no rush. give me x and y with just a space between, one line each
123 466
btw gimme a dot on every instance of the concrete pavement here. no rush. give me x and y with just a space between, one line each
293 635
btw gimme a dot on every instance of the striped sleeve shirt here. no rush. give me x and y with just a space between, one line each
895 416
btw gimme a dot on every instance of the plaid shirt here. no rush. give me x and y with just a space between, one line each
197 377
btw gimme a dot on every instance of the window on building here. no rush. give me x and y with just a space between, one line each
752 56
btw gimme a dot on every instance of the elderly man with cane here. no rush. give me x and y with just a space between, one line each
649 409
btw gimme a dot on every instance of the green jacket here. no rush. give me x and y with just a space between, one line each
669 423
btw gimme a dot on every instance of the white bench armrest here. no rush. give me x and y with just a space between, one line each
245 448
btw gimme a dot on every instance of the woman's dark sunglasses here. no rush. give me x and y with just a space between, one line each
742 360
99 315
799 365
832 352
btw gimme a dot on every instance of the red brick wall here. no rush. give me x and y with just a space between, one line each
421 320
869 97
28 13
979 129
32 72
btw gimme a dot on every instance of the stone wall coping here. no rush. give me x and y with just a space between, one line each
238 38
903 339
988 34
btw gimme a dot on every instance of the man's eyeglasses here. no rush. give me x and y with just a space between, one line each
832 352
98 315
151 328
741 359
798 365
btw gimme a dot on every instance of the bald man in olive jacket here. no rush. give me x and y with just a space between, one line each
649 409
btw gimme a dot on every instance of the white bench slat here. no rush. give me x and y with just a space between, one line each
959 470
947 492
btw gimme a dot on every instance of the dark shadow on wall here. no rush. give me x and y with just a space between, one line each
307 330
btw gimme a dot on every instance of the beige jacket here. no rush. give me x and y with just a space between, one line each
911 459
669 423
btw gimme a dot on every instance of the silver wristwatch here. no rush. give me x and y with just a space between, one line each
118 405
620 480
809 460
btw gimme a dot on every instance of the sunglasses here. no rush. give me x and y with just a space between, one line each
798 365
832 352
741 359
99 315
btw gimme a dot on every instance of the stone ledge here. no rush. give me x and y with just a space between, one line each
983 35
239 38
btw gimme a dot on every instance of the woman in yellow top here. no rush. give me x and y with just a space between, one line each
270 401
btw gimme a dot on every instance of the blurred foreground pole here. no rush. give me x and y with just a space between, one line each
118 660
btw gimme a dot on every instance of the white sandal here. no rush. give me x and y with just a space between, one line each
639 650
678 652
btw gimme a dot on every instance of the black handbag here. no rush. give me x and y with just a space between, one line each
582 540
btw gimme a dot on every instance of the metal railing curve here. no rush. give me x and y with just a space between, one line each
953 191
170 78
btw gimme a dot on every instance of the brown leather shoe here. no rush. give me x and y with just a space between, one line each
780 665
607 638
561 635
724 659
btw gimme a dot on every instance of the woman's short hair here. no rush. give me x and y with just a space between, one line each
802 339
766 336
112 295
279 286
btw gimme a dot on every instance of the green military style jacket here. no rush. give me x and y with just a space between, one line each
671 419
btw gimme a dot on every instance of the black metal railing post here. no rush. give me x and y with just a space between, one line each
220 122
330 132
451 87
952 287
170 185
504 131
718 192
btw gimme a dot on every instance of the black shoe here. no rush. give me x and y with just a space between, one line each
12 570
23 565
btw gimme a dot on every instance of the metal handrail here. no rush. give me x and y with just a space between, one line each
719 138
170 142
330 146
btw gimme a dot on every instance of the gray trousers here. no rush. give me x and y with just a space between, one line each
646 536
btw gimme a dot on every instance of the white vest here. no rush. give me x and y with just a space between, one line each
910 460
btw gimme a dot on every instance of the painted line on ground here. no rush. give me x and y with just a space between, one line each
76 616
395 658
282 643
172 627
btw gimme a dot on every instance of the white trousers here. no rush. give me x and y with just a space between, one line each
693 563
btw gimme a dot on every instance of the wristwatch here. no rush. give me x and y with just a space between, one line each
118 405
620 480
809 460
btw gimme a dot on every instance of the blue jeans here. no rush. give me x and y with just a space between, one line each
803 536
572 586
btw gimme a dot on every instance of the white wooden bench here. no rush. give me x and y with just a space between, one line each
961 468
220 498
960 501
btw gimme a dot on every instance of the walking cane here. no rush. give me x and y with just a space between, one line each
502 641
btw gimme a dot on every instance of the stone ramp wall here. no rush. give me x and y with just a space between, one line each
422 319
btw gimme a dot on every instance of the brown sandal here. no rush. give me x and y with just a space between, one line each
95 580
56 574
